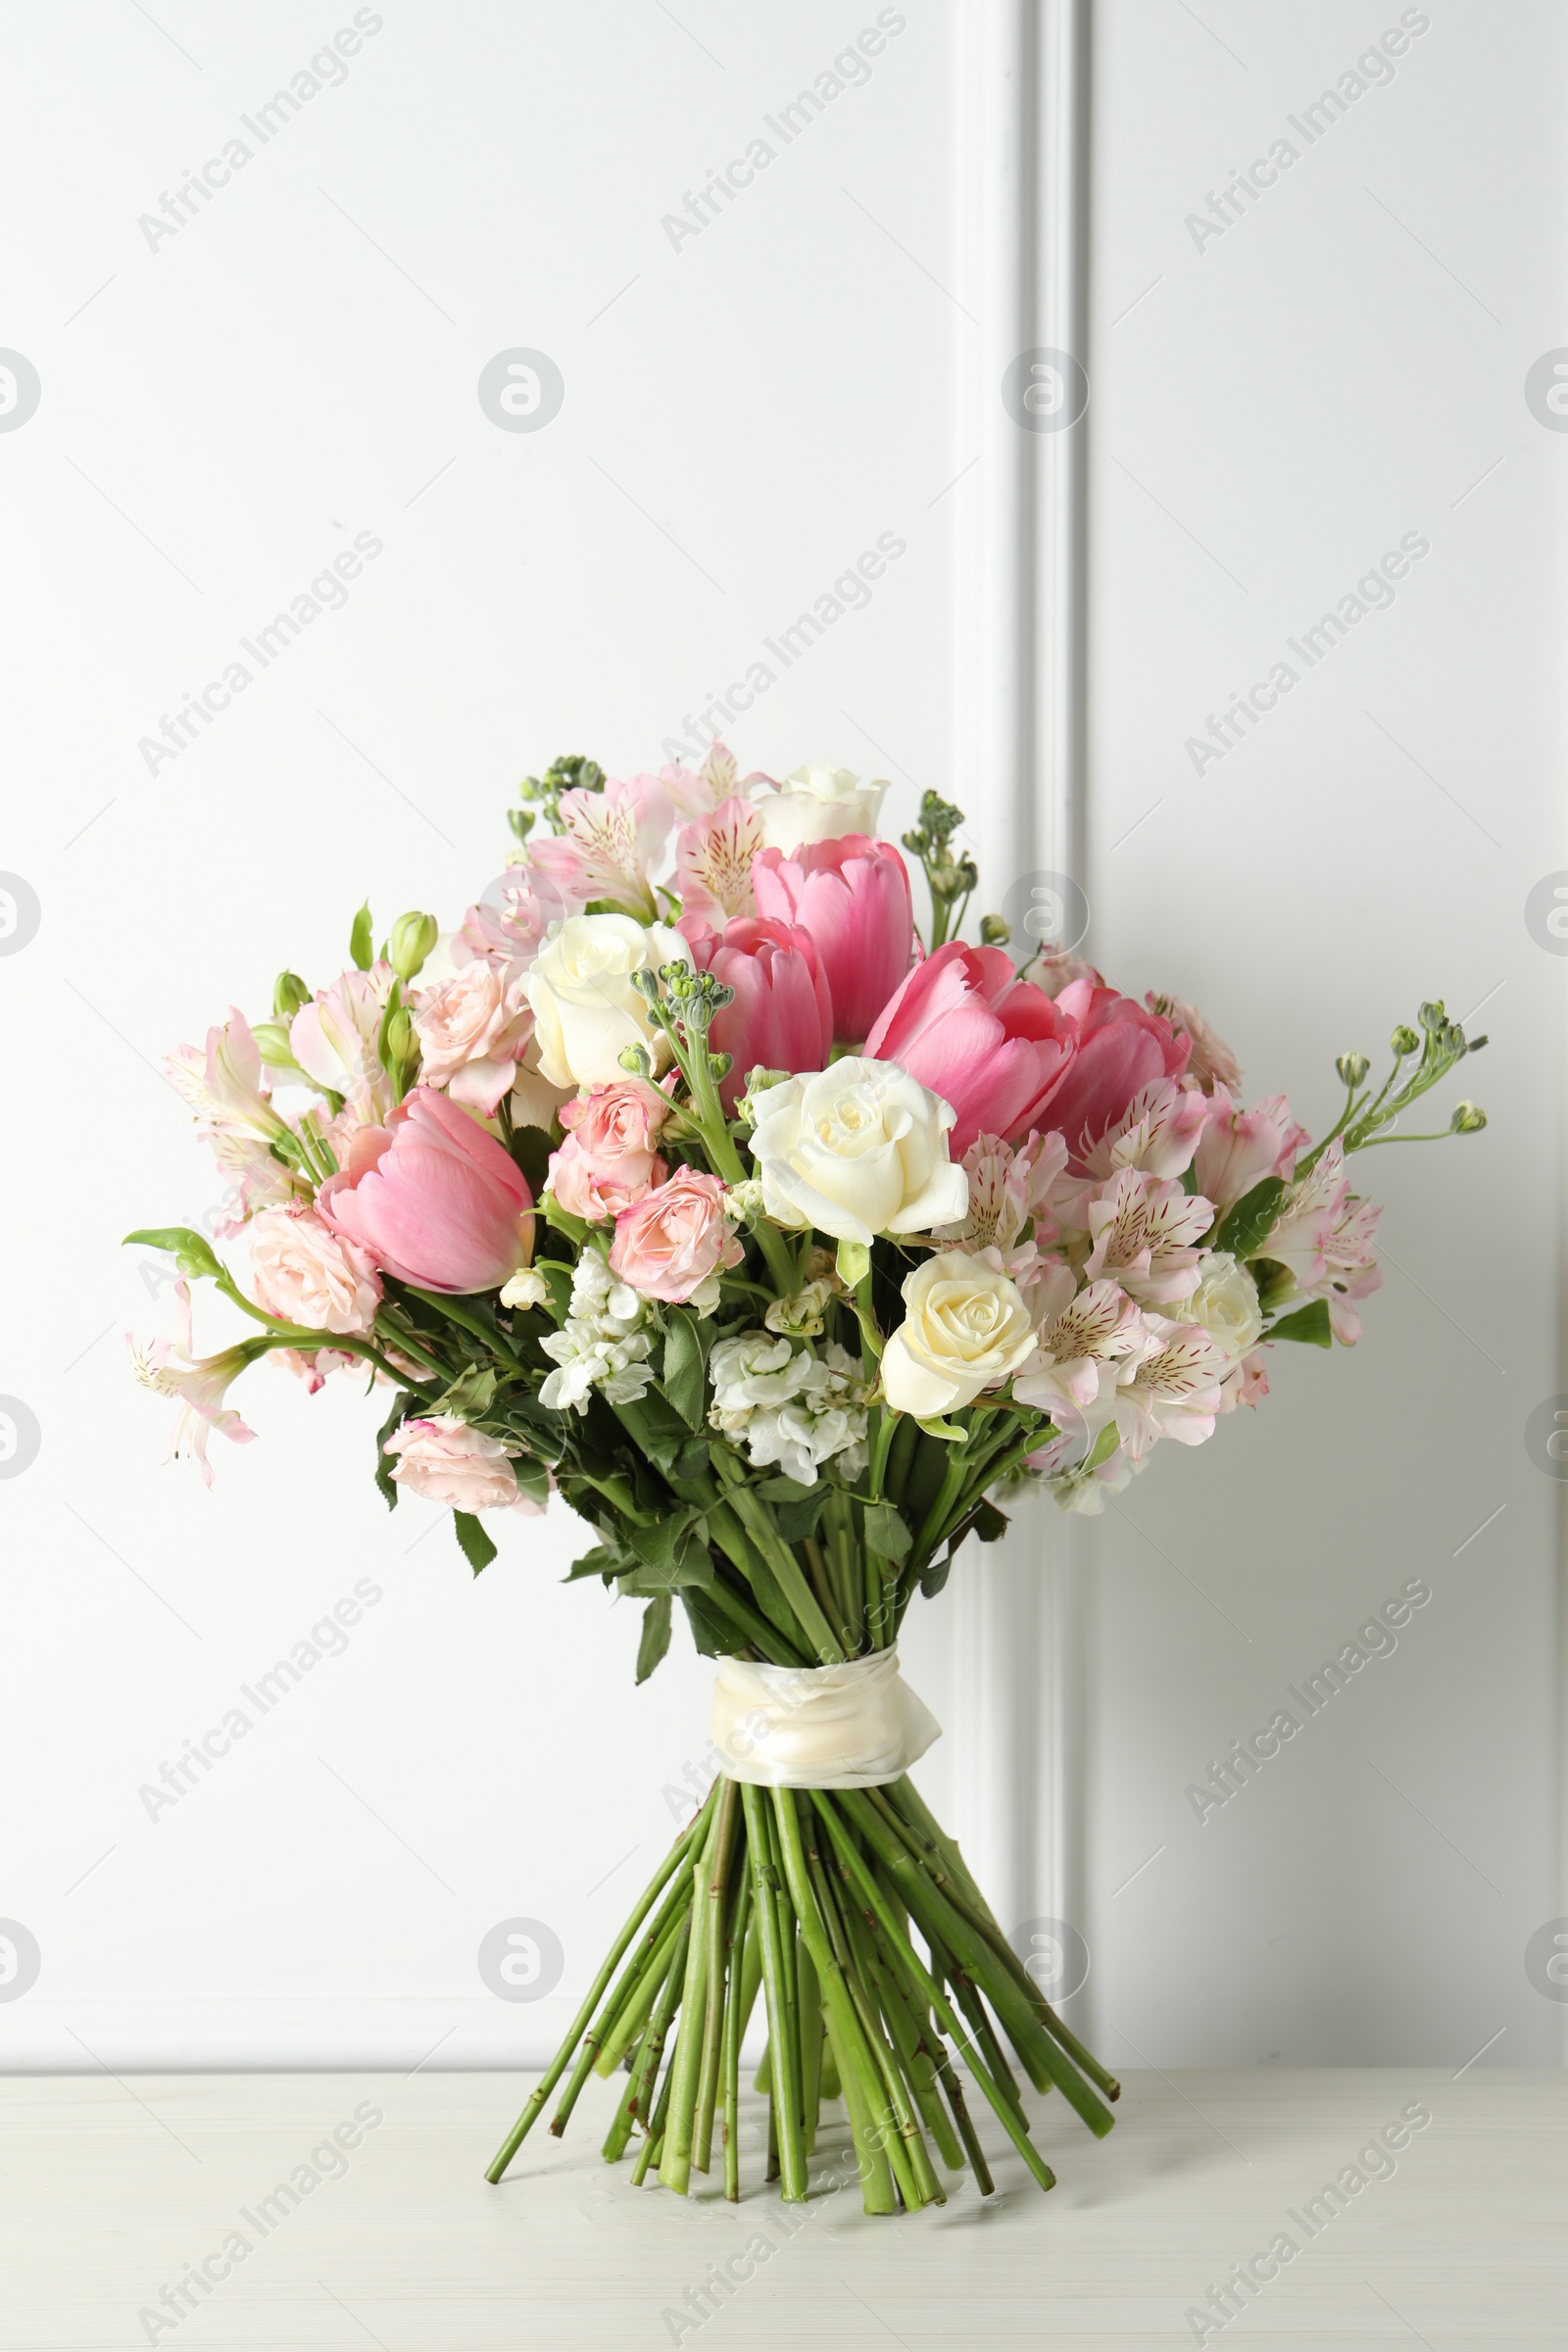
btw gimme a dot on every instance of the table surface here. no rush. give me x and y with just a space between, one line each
113 2189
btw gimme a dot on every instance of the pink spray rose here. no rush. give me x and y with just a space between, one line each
853 895
668 1245
988 1043
505 926
432 1198
782 1015
303 1272
473 1030
608 1162
1119 1048
446 1462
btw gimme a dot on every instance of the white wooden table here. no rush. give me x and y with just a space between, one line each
112 2190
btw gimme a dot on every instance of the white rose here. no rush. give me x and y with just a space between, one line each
819 804
965 1328
1225 1303
302 1273
585 1009
857 1149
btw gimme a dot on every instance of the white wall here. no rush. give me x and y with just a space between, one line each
298 365
759 405
1271 413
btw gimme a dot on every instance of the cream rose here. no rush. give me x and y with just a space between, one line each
857 1149
819 804
302 1273
586 1010
965 1328
1225 1303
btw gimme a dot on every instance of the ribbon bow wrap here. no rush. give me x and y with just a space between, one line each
852 1726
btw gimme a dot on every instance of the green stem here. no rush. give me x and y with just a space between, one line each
926 1986
791 2152
737 2009
580 2024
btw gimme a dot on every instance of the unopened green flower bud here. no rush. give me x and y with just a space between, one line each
1432 1017
646 983
995 930
721 1065
400 1040
1405 1041
272 1040
1467 1119
636 1061
414 935
289 992
521 822
1353 1069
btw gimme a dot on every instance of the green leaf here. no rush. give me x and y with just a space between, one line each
470 1395
385 1483
190 1253
670 1551
947 1431
656 1636
936 1576
605 1560
1244 1229
1104 1446
477 1546
780 1488
561 1220
796 1521
711 1637
691 1461
361 950
885 1533
1309 1324
990 1524
685 1378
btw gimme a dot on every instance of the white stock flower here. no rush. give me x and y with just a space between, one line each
526 1287
1225 1303
819 804
794 1411
965 1328
602 1344
857 1149
586 1010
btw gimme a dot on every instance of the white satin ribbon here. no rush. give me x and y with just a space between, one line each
853 1726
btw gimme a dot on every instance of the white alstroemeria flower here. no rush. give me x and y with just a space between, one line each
1141 1231
1175 1391
1083 1335
1158 1133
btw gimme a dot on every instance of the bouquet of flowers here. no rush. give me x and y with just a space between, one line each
779 1241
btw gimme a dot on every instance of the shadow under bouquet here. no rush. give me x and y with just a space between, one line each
779 1242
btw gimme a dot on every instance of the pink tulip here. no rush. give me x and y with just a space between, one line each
432 1198
853 895
988 1043
1119 1048
782 1017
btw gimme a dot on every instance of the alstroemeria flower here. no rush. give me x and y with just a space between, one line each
1239 1147
612 841
223 1081
1082 1333
170 1368
1175 1391
714 863
335 1039
1142 1233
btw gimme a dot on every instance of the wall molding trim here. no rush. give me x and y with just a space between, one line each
1023 162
